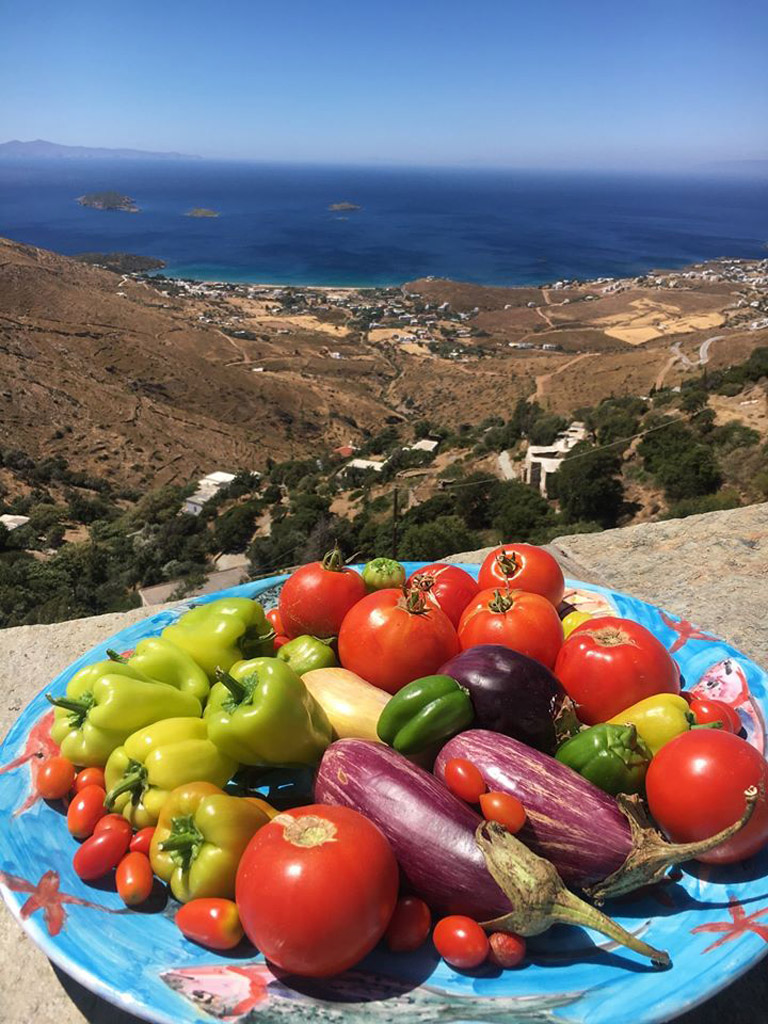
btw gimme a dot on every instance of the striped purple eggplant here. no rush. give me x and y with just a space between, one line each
432 832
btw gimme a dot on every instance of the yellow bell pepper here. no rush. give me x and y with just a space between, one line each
658 719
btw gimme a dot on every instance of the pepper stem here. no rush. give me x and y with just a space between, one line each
538 896
651 855
236 688
79 706
134 782
114 656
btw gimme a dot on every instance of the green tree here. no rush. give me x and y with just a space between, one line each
446 535
518 511
589 488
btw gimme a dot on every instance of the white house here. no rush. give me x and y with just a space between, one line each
424 445
11 522
206 488
541 461
361 466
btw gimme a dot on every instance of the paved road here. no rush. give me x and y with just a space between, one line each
704 348
505 465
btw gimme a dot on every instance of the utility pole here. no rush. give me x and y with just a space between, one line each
394 523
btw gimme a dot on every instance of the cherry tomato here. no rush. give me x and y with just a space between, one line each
99 854
526 623
273 617
446 586
409 927
391 639
85 809
316 889
55 777
464 779
315 599
523 567
279 641
507 949
608 664
142 840
134 879
707 711
115 822
460 941
89 777
214 923
695 787
504 808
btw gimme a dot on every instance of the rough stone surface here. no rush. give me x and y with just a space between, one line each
710 569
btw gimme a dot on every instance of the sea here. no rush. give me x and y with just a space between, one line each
275 225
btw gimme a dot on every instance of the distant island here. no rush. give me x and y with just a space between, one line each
201 211
108 201
42 150
337 207
121 262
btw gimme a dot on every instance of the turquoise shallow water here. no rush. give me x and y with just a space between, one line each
500 227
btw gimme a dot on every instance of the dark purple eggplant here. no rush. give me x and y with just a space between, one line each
514 695
604 846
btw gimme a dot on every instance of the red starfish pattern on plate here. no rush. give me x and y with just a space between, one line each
685 632
47 896
38 747
739 925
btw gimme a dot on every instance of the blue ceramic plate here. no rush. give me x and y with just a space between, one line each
714 922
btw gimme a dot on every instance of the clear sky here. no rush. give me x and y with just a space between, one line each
557 83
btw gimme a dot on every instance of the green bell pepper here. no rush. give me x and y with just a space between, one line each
424 712
261 713
105 703
613 757
222 632
200 837
305 653
141 773
161 660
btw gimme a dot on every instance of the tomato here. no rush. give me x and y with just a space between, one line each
464 779
134 879
460 941
99 854
89 777
391 639
273 618
211 922
142 840
446 586
706 711
410 924
55 777
523 567
695 787
504 808
315 599
316 889
527 623
85 809
507 949
116 822
279 641
608 664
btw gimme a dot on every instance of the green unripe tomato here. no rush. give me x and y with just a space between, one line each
383 574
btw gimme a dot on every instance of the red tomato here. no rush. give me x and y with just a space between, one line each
695 787
279 641
464 779
273 618
507 949
410 924
523 567
134 879
142 840
706 711
608 664
460 941
89 777
316 889
446 586
315 599
211 922
85 809
390 639
527 623
55 777
504 808
99 854
113 821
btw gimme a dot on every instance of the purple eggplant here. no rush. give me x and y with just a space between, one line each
514 695
596 843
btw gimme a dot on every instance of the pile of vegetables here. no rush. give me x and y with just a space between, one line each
485 759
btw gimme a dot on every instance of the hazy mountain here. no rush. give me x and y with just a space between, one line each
42 150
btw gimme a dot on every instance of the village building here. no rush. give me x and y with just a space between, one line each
206 488
541 461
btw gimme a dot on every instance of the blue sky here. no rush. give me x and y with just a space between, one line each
537 83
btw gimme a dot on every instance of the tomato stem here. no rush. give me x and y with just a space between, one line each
500 602
507 563
333 560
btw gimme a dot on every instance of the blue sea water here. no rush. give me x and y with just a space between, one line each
494 227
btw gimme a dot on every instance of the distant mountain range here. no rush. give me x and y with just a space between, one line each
42 150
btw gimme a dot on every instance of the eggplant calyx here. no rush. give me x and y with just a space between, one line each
565 722
651 855
538 896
